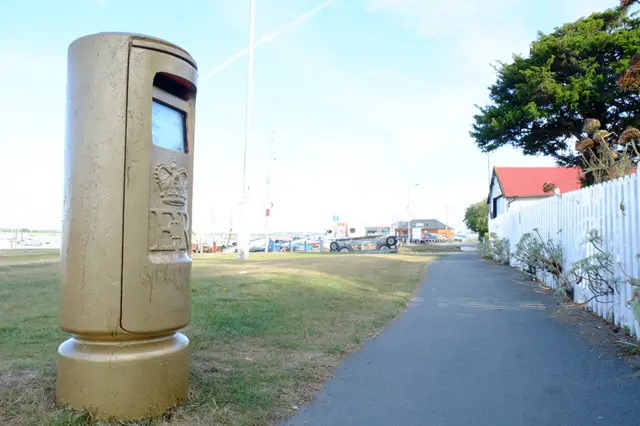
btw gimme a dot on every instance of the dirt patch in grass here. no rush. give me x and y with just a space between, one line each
264 334
10 379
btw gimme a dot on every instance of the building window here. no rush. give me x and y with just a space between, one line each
494 208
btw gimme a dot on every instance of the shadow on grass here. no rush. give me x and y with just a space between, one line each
264 333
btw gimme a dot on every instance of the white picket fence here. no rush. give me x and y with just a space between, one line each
610 208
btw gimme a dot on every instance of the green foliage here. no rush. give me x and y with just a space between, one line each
635 297
495 249
476 217
538 256
529 253
539 102
484 247
598 270
501 250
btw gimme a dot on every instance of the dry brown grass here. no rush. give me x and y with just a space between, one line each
430 248
28 256
264 334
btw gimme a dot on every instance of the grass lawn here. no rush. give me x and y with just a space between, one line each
264 334
28 256
429 248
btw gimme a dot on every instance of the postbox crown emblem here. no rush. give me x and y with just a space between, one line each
172 181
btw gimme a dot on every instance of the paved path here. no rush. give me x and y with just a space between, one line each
476 349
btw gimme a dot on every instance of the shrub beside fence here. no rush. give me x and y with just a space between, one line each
597 230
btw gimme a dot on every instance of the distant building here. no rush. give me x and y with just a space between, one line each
428 226
510 185
378 230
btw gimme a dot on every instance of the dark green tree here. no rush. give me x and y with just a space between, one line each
539 102
476 217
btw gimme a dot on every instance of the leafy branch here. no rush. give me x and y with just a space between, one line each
597 272
495 249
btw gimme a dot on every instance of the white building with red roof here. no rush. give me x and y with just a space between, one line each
511 185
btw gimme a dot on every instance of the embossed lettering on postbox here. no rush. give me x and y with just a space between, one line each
169 226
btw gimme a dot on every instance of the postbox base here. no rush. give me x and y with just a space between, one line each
123 380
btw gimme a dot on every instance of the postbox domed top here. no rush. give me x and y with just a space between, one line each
145 41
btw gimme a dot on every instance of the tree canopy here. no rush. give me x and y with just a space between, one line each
539 103
476 217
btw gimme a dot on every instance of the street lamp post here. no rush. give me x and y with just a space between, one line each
409 211
446 221
243 237
267 212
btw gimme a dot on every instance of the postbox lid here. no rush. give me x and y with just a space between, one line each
149 42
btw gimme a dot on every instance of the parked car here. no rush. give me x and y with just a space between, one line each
208 246
233 248
273 246
430 238
300 246
427 239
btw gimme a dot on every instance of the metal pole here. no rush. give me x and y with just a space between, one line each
446 220
213 231
212 222
268 207
408 213
243 243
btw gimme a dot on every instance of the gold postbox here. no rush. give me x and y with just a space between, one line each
126 238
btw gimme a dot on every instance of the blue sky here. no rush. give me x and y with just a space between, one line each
366 97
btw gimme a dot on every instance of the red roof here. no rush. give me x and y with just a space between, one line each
528 181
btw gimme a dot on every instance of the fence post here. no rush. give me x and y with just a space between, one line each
559 204
513 241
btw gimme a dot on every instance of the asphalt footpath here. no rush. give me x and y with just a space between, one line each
476 348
